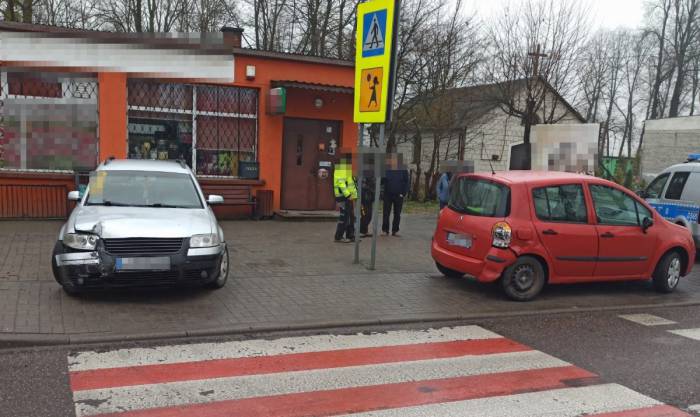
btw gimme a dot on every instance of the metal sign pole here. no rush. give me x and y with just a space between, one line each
358 202
375 207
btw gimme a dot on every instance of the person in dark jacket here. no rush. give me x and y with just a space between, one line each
395 189
368 187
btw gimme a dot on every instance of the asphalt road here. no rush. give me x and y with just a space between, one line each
648 359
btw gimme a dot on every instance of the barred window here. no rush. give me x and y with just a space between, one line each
212 128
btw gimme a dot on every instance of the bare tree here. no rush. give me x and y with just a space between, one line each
658 25
686 15
445 57
593 71
19 10
616 44
694 82
637 49
519 38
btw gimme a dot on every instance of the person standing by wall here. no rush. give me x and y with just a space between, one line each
395 189
443 189
345 194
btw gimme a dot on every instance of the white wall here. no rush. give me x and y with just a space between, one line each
668 142
493 134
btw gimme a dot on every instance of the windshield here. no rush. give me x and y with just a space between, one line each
480 198
142 189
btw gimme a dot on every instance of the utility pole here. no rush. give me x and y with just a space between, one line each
536 60
530 110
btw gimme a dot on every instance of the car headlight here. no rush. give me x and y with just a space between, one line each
80 241
204 241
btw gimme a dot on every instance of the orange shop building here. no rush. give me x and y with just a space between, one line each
250 123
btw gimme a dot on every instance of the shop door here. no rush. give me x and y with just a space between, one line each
310 151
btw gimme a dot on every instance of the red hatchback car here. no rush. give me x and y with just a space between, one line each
529 228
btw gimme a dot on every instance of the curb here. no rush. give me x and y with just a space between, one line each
22 340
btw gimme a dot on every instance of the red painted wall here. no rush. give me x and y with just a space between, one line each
112 108
300 103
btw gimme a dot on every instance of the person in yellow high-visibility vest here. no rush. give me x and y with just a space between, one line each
345 194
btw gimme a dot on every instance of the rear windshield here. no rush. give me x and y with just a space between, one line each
478 197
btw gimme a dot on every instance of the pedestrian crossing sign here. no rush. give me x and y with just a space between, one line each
374 61
373 35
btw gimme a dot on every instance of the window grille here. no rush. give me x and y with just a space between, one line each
212 127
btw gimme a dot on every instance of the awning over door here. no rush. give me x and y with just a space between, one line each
312 86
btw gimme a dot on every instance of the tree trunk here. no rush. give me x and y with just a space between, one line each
136 14
659 64
27 11
677 90
10 11
433 163
694 89
417 153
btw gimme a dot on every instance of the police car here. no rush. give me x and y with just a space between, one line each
675 194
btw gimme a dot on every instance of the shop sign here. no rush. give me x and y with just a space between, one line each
374 61
277 101
248 170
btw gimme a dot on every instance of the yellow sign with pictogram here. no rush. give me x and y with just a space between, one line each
373 60
371 89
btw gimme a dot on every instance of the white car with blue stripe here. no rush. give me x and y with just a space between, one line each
675 194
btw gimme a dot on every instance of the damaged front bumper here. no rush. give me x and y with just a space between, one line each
98 268
77 258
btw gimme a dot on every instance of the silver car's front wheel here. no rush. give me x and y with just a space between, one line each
223 271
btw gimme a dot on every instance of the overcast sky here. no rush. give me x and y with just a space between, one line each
605 13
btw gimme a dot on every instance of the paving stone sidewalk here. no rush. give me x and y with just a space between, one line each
283 274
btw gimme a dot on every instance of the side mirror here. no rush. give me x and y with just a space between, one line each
214 199
643 193
646 224
74 196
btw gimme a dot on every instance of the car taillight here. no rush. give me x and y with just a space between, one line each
502 234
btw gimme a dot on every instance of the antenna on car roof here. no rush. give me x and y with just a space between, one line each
111 158
492 171
182 163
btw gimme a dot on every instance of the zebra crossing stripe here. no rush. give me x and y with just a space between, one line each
255 348
220 368
689 333
462 371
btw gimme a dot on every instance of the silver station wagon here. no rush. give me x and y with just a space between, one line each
141 223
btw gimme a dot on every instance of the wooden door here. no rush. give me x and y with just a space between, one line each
308 146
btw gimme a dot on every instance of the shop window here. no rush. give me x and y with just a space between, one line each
223 142
49 121
158 136
214 135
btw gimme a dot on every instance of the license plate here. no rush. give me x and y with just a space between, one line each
456 239
144 263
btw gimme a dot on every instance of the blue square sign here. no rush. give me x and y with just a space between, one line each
374 28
